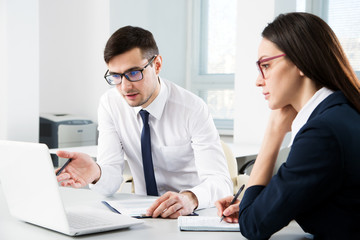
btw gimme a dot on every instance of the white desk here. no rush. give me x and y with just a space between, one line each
13 229
244 150
90 150
238 149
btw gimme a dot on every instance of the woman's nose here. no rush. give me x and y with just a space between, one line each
260 81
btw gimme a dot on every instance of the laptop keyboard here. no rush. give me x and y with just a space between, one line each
79 221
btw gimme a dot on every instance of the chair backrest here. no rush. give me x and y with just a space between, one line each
281 158
232 164
239 179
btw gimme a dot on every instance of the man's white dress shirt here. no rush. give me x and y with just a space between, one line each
186 148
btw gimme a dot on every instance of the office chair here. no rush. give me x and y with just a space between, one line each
127 178
281 158
237 179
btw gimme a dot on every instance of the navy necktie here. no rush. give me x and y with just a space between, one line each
150 181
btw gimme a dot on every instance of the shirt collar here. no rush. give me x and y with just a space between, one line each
156 108
304 114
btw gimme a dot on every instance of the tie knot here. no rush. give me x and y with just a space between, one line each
144 115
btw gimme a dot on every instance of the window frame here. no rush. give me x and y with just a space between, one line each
200 80
321 8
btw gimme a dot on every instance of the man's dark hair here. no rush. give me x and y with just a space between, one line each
127 38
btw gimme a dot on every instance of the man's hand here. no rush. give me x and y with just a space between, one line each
81 171
173 205
231 212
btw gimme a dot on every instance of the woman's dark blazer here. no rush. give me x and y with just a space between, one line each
318 185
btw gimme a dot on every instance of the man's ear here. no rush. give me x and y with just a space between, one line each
158 64
301 73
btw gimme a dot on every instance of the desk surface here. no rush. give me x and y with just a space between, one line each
244 149
238 149
91 150
13 229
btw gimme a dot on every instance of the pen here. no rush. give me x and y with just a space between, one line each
110 207
143 216
63 167
234 199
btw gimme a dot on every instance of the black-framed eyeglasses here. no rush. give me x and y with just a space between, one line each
261 68
132 76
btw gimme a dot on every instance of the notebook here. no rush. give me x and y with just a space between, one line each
206 223
32 194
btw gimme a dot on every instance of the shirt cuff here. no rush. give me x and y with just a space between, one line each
102 186
200 193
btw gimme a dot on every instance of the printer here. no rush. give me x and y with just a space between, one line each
66 130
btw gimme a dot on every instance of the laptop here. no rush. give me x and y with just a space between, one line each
32 193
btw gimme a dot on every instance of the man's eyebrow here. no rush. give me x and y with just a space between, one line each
128 70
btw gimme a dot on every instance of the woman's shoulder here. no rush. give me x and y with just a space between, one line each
335 110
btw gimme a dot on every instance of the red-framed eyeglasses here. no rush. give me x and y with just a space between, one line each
258 63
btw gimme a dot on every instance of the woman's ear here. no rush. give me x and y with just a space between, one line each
301 73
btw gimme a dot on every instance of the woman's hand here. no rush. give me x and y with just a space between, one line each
231 212
281 119
279 124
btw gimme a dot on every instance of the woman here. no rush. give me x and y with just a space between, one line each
313 91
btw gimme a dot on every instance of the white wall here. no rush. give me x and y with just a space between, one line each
284 6
59 44
51 61
251 109
167 20
72 38
3 70
19 101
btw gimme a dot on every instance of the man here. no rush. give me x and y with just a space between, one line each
187 165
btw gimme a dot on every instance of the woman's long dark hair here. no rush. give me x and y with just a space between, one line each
313 47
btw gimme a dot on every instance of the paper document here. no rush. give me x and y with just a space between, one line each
133 207
203 223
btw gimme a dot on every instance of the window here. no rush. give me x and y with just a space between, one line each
213 66
218 37
344 18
